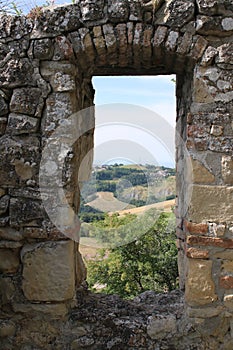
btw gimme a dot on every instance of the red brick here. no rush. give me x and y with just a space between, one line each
194 228
226 282
210 241
197 253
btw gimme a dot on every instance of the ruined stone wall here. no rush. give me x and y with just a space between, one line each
47 61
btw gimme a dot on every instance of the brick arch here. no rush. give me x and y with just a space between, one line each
47 61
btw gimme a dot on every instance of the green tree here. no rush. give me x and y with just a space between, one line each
148 263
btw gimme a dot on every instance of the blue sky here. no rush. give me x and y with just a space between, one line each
134 143
154 92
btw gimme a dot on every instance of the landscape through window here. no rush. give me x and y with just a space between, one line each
128 225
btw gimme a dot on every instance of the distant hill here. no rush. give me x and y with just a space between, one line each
113 188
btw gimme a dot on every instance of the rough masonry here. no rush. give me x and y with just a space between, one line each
47 61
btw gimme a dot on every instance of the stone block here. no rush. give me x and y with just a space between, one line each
225 255
228 301
228 265
17 73
226 282
7 233
204 312
43 49
59 107
25 101
49 271
4 203
227 170
21 124
118 10
18 159
3 106
3 124
195 253
161 327
54 311
7 328
92 10
195 228
213 7
225 56
7 290
9 260
175 13
200 288
210 241
211 203
25 210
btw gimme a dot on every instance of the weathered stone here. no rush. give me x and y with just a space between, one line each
205 312
3 124
10 244
60 75
226 254
198 47
209 56
7 290
43 49
53 21
217 229
216 130
160 35
4 203
59 107
56 51
9 260
224 58
213 26
21 124
54 311
175 13
200 173
213 7
211 203
24 210
63 49
3 106
226 282
7 328
135 11
92 10
197 253
17 73
48 271
185 44
227 170
227 24
228 266
210 241
159 328
7 233
25 101
228 301
200 288
82 342
172 41
118 10
195 228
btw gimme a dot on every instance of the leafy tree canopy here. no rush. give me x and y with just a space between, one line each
148 263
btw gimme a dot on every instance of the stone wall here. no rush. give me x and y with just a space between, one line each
47 60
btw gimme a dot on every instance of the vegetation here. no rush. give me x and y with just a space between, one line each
133 185
147 263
